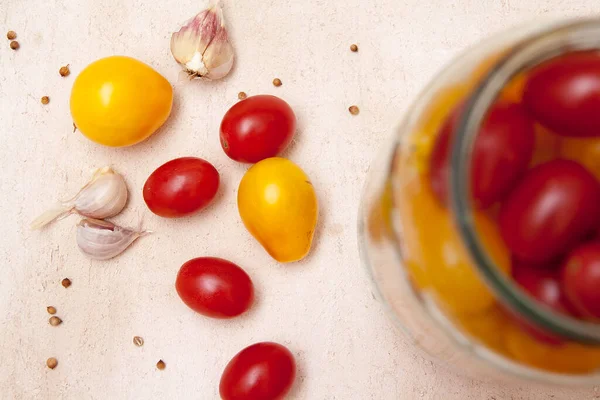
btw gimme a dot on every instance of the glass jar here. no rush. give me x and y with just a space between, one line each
443 271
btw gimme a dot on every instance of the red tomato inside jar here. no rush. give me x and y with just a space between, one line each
491 200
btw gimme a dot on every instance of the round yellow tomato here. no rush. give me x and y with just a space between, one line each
119 101
278 206
436 256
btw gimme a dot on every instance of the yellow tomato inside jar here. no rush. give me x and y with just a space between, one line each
120 101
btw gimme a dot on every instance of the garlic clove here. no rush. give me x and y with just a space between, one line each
202 46
219 56
104 196
102 240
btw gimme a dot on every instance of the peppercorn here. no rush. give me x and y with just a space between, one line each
64 71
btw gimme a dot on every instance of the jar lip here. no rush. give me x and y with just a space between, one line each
557 39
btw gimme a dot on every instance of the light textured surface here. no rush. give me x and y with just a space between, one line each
321 308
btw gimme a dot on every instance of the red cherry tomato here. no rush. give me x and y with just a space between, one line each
263 371
503 150
581 279
564 94
214 287
552 209
544 286
256 128
181 187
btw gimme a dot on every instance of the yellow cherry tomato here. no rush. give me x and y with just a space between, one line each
380 217
570 358
119 101
432 119
486 327
586 151
278 206
513 91
435 255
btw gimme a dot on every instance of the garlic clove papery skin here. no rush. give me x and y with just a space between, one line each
102 240
202 45
105 195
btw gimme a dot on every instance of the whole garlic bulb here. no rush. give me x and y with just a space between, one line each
202 46
103 196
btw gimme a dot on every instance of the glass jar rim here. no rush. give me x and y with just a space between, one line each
557 39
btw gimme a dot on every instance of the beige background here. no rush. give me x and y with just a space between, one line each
321 308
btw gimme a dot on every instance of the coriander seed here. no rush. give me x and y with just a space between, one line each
277 82
64 71
55 321
138 341
161 365
14 45
353 48
52 362
242 95
51 310
66 282
45 100
353 110
11 35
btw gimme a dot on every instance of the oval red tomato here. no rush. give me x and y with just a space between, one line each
262 371
256 128
564 94
181 187
503 149
214 287
544 286
581 279
552 209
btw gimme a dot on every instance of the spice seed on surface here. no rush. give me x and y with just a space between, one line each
52 362
138 341
64 71
277 82
51 310
66 282
242 95
353 110
45 100
14 45
353 48
161 365
55 321
11 35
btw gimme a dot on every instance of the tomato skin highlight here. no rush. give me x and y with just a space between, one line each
256 128
552 209
262 371
214 287
564 94
502 152
181 187
581 279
